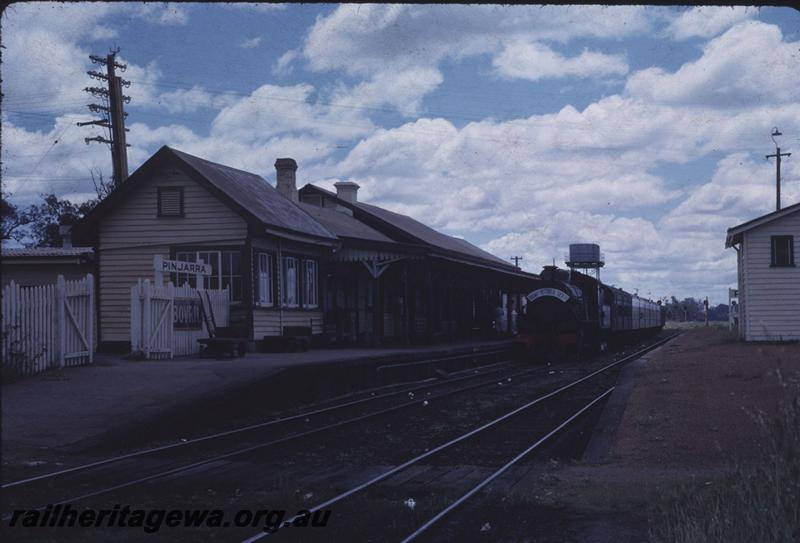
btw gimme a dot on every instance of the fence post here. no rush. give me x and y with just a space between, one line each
171 319
90 332
198 278
146 320
158 271
61 321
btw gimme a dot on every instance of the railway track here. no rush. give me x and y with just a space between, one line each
520 429
126 470
222 455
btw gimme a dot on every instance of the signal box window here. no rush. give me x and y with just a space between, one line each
782 251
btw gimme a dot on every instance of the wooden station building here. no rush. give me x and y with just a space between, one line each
350 271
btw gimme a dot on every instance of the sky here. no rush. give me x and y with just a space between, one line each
519 128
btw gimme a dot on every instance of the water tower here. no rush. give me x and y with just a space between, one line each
586 257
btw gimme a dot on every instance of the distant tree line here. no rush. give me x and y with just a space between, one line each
37 225
692 310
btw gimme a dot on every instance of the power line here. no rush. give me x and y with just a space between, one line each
67 127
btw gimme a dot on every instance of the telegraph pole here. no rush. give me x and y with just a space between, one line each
516 260
114 114
777 156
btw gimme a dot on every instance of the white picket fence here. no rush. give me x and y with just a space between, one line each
156 333
48 326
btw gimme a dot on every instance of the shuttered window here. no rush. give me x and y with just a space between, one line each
264 279
783 251
170 201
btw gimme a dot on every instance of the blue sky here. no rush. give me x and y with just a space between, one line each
522 129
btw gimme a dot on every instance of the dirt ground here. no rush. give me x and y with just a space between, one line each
690 418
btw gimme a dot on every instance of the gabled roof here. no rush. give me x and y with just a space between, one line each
344 225
246 193
735 233
431 236
415 231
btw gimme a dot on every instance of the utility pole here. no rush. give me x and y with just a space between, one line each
114 114
777 156
516 260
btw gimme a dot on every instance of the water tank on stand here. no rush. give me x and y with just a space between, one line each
585 255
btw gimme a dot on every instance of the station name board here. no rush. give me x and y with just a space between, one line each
552 292
177 266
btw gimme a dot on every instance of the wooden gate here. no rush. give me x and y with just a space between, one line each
167 321
48 326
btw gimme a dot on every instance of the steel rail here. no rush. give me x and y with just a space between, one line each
305 414
477 488
455 441
285 439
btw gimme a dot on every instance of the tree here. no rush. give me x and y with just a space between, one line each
102 187
45 218
12 220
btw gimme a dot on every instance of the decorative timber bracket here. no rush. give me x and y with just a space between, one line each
377 267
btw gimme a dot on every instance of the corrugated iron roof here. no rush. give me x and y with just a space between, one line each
735 233
431 236
344 225
424 233
43 252
254 194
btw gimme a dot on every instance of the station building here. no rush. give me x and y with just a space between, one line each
34 266
349 271
768 275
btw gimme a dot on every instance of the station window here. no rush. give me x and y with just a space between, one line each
225 270
264 279
291 283
170 202
310 291
782 251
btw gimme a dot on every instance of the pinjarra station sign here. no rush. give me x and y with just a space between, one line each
177 266
162 266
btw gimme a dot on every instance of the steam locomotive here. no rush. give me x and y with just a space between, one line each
571 312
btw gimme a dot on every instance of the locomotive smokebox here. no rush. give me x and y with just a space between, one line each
584 255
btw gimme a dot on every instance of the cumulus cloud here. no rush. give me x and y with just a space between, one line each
283 65
748 65
272 109
189 100
707 21
252 43
168 13
402 89
534 61
363 39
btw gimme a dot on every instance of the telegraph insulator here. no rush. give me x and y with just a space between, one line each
96 91
126 99
97 75
124 83
97 60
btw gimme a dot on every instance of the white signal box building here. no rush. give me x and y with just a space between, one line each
769 275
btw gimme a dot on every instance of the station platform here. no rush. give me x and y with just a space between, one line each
74 407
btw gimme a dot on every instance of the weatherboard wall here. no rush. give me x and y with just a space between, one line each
132 234
771 302
269 321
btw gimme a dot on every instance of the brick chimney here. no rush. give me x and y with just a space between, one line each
347 191
286 178
65 231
